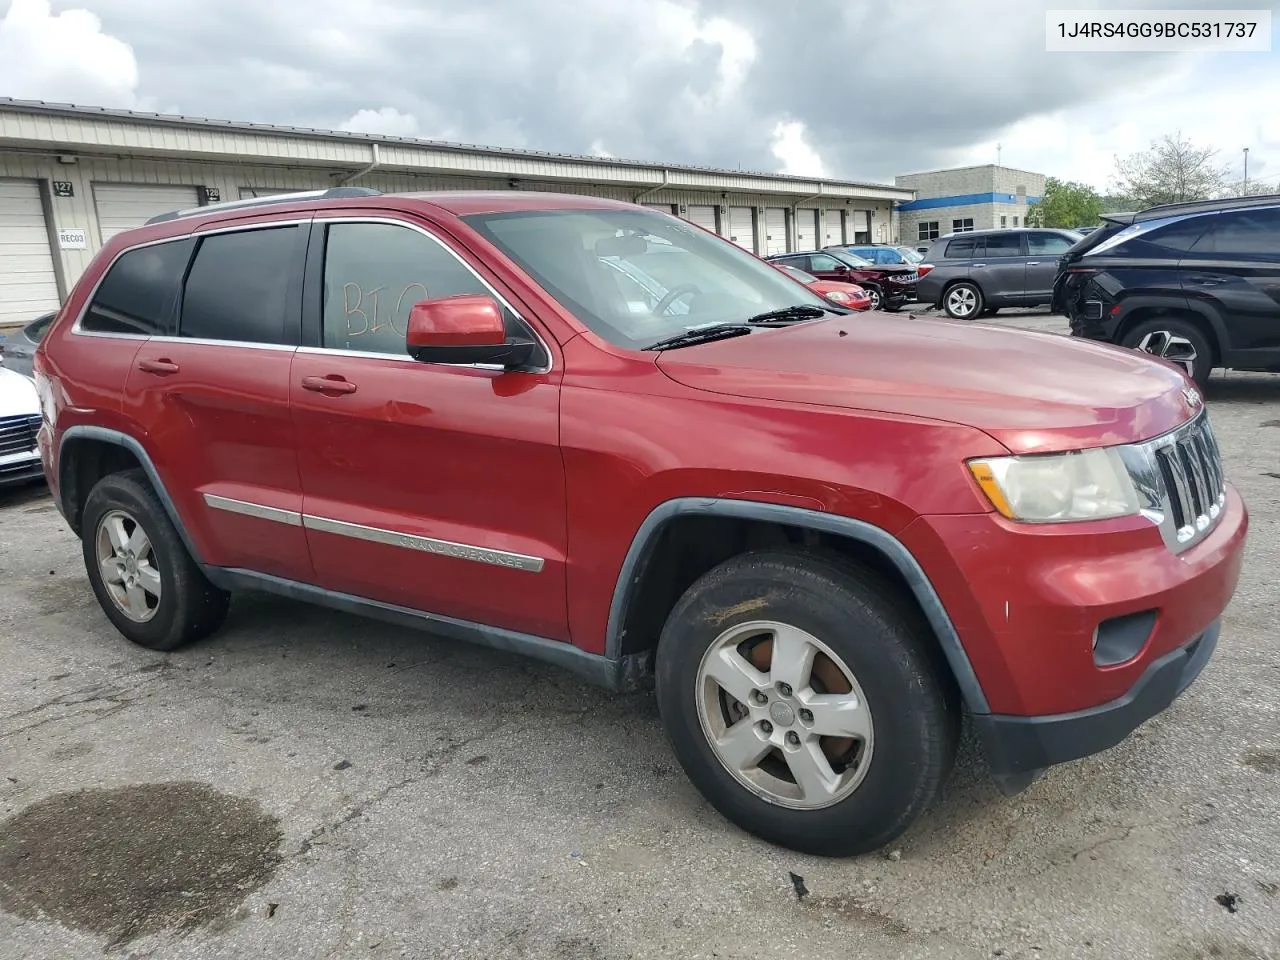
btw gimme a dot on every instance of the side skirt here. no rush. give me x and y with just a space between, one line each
624 675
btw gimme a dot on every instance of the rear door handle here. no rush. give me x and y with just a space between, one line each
1033 263
161 368
1207 281
976 265
331 384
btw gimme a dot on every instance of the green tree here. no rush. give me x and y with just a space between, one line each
1171 170
1066 204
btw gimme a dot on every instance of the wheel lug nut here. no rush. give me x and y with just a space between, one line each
759 698
766 726
806 716
793 738
784 689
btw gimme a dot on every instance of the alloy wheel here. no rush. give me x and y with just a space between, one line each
127 563
962 301
1171 347
784 715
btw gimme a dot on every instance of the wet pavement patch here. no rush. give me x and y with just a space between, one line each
136 860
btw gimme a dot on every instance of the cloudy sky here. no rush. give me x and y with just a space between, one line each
848 88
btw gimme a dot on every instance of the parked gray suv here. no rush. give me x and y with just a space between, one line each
977 272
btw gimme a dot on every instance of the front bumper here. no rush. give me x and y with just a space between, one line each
1019 748
20 468
1076 633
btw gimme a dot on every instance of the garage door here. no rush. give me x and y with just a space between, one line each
860 227
703 216
664 207
834 228
775 230
806 229
123 206
28 284
742 228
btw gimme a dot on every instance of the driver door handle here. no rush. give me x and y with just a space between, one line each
161 368
331 384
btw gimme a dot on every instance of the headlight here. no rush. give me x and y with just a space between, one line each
839 296
1084 485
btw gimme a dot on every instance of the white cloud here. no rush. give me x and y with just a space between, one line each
794 152
387 121
598 150
64 58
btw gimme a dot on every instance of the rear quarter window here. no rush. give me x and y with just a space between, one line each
138 293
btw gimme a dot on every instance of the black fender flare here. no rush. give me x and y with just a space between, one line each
1178 304
642 545
134 446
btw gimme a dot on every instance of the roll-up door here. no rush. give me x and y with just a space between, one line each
775 230
123 206
834 228
28 283
664 207
742 227
806 229
860 227
703 216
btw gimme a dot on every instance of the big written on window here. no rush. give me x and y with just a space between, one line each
373 275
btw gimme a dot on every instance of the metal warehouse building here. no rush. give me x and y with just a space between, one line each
71 177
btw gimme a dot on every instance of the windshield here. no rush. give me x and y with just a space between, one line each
911 256
635 277
852 259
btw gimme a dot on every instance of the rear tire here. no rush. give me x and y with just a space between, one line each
855 653
146 582
1176 340
963 301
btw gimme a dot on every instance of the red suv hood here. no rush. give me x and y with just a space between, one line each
1034 392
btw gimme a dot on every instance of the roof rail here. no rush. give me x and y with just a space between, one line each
1207 206
333 193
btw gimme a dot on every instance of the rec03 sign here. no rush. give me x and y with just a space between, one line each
73 238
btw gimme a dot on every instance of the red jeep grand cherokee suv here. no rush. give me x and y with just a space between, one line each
820 535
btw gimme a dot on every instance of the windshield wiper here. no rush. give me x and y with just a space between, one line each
719 331
799 311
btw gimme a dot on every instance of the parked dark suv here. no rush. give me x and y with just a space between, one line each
1195 283
978 272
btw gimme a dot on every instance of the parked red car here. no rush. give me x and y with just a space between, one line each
890 287
595 434
845 294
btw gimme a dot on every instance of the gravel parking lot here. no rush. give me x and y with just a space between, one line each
346 789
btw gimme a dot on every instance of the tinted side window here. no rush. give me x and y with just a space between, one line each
1162 242
238 288
960 249
139 290
1249 234
374 273
1047 244
1004 245
823 262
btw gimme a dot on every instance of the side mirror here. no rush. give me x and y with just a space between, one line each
842 268
464 330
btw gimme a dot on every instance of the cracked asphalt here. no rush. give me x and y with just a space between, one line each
408 796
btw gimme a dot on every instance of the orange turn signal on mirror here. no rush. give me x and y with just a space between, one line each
986 478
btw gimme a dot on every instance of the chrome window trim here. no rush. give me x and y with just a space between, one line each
259 511
78 330
322 219
409 541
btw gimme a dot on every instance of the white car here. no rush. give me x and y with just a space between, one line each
19 421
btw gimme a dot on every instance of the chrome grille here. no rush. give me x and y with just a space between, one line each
1181 477
18 434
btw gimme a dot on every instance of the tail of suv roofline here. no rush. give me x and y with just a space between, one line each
818 554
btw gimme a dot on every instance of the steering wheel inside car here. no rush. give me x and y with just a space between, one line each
673 295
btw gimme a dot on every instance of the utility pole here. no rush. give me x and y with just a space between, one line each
1246 171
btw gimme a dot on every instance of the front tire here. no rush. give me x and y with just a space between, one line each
146 582
802 699
963 301
1177 341
877 297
